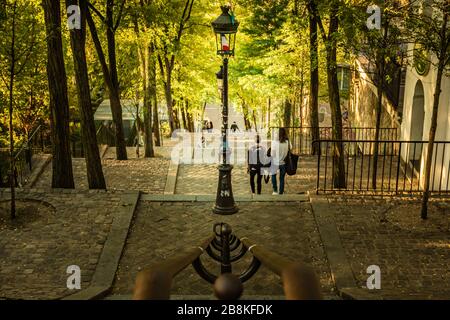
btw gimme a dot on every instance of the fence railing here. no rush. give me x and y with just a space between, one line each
302 138
23 158
105 135
39 141
400 167
4 167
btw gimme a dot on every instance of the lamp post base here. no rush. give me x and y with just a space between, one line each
225 204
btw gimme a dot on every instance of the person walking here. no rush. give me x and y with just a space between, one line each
256 159
279 150
210 127
234 127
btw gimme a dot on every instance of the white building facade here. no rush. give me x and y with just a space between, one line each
420 86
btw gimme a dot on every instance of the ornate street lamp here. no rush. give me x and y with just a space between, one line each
225 28
219 76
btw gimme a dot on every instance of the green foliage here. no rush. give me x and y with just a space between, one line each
30 88
424 23
272 52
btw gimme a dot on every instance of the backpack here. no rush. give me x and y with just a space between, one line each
291 162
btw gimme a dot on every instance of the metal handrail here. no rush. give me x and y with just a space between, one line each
329 127
155 282
273 261
399 166
375 141
299 280
26 144
301 137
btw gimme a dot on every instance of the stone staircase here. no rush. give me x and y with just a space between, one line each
211 297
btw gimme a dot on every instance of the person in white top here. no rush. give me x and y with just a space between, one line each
278 152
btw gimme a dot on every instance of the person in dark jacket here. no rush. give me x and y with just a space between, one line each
256 159
210 127
234 127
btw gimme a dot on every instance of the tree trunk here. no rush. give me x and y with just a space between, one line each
169 100
433 127
381 63
246 121
175 115
145 54
154 97
314 84
287 113
183 115
189 118
300 107
156 130
169 63
203 113
148 98
12 72
293 111
95 176
113 87
379 108
191 121
333 91
62 174
121 149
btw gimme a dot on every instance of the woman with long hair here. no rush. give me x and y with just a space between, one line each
279 150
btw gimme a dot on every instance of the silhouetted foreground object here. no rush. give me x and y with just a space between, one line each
154 283
228 287
299 281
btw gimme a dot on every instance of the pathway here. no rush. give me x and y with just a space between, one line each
202 179
413 254
53 230
146 175
214 114
286 228
339 236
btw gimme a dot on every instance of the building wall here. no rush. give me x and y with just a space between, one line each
362 114
363 104
409 127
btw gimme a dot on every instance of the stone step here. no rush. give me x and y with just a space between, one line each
195 297
237 198
210 297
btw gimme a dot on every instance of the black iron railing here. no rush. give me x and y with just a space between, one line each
23 157
4 167
104 137
299 281
302 138
39 141
400 167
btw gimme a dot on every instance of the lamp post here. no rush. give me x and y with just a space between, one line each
220 82
225 28
219 76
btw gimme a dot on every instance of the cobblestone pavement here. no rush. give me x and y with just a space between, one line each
53 230
161 230
202 179
147 175
413 254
